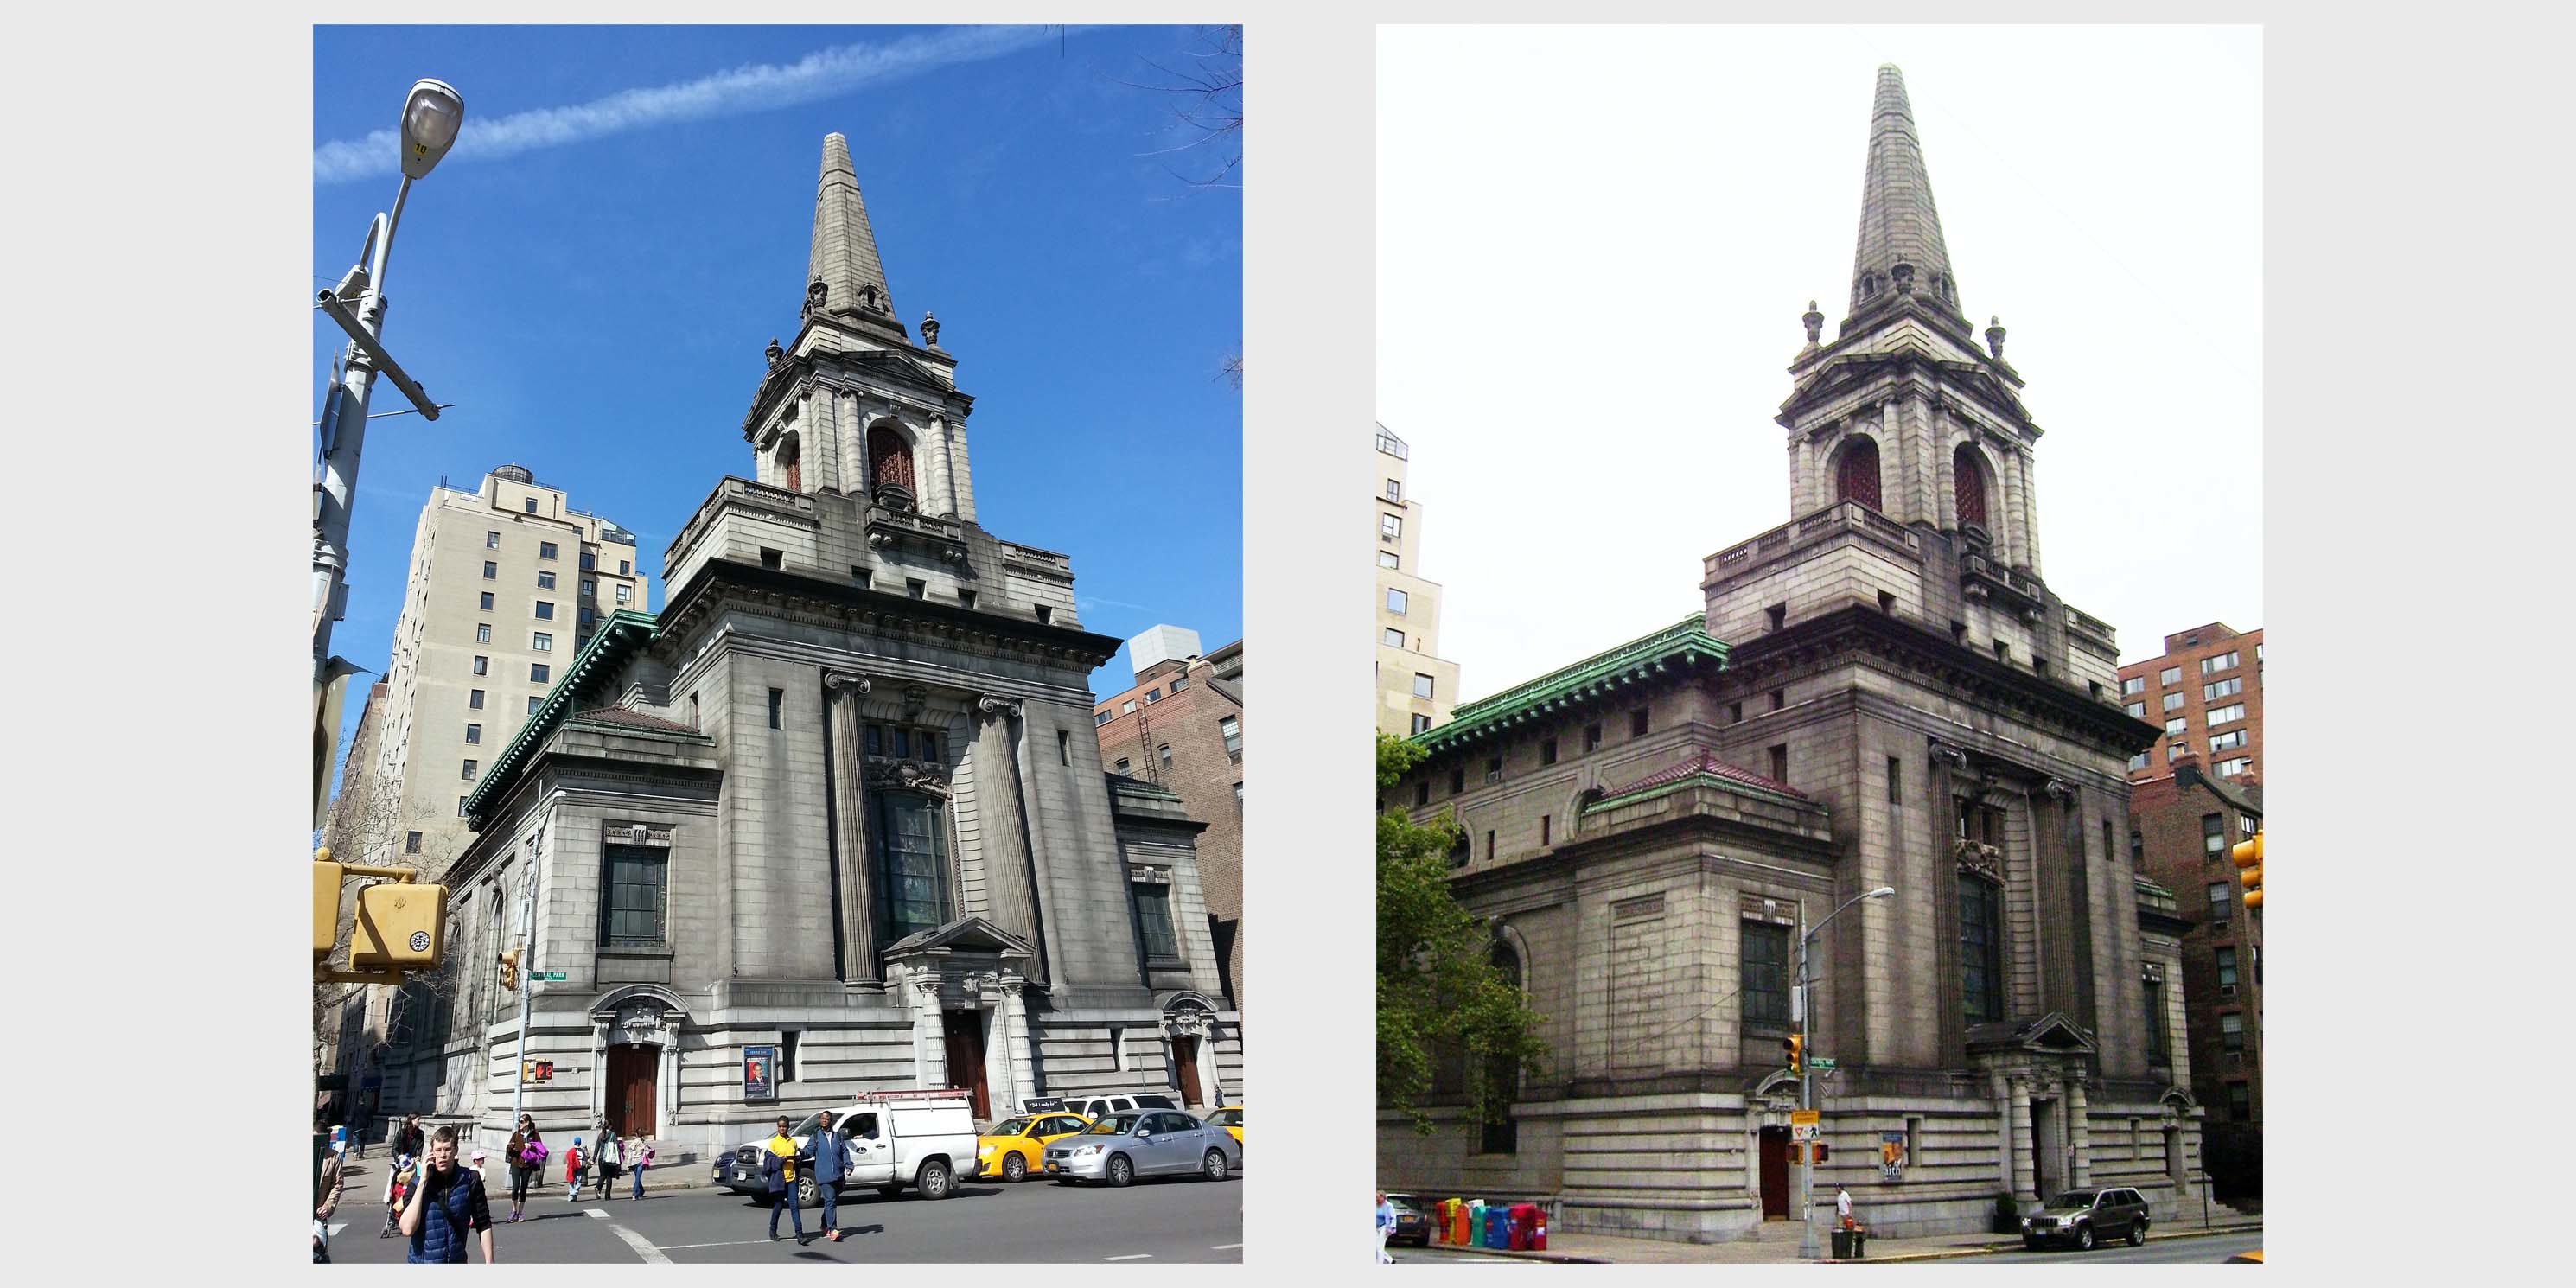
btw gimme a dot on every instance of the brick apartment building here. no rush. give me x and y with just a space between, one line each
1181 728
2206 690
2182 826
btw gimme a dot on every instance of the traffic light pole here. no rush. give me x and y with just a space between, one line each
527 936
1807 1247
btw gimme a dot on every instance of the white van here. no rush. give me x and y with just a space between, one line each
925 1139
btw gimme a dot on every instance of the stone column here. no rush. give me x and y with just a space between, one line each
929 1033
2023 1161
2081 1131
598 1068
850 424
666 1090
1010 881
1015 1024
1000 1071
2030 507
855 858
2004 1134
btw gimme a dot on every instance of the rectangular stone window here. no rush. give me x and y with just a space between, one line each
1591 738
411 842
470 769
1421 685
777 708
473 733
1780 763
486 603
1063 747
1981 950
589 562
1388 559
625 594
1046 615
912 863
637 889
483 632
2159 1033
482 664
540 642
1421 723
1637 723
491 541
1545 836
1154 921
545 611
545 579
491 571
545 549
474 700
1389 527
1422 792
1397 601
540 673
1392 637
1457 781
1762 977
1895 781
535 700
1547 752
916 588
965 598
1779 699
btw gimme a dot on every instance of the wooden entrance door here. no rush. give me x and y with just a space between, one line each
965 1040
1775 1173
1185 1057
631 1076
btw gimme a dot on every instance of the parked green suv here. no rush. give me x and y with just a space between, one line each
2086 1217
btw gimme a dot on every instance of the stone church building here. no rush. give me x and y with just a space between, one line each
840 799
1883 691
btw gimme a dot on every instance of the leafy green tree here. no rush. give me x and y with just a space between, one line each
1438 991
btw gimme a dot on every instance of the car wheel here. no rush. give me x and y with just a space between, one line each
2084 1237
1015 1169
1213 1166
935 1180
2137 1232
1121 1172
808 1193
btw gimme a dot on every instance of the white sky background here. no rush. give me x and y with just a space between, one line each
1594 244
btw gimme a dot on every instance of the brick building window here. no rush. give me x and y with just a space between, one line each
2213 835
2228 741
2135 684
2227 688
2240 1102
1856 471
1232 731
2231 1032
2226 960
2219 903
2169 677
2223 662
1968 486
1762 977
2231 768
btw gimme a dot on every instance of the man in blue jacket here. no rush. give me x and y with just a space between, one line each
831 1163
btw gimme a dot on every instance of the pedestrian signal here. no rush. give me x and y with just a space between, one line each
1823 1151
510 969
2248 856
401 926
1795 1047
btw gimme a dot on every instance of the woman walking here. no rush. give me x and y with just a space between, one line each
611 1157
527 1155
637 1159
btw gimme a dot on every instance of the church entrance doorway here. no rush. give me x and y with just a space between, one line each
964 1031
631 1079
1185 1058
1775 1173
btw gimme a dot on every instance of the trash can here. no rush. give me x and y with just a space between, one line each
1842 1244
1860 1242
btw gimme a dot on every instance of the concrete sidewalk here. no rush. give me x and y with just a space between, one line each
1632 1251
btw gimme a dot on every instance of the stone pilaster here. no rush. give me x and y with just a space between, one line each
961 478
854 862
1014 1022
2004 1120
2081 1130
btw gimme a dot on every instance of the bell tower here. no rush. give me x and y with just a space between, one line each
853 407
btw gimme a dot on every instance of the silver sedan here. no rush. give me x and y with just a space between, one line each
1152 1142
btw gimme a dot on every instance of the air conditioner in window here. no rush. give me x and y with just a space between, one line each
2227 990
1493 775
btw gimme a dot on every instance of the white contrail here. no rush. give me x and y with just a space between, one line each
825 73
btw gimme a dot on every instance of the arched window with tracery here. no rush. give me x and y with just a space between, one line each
890 465
1856 472
791 465
1968 482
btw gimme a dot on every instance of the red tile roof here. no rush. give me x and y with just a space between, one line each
631 720
1708 763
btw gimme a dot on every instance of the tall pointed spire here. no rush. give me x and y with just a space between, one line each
1900 250
843 279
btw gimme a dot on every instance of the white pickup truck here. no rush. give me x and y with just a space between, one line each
925 1139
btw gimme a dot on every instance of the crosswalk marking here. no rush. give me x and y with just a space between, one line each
337 1227
1133 1256
643 1247
1220 1247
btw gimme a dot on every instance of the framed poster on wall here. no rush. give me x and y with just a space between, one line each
760 1073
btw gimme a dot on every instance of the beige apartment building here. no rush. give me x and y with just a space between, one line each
1415 686
507 584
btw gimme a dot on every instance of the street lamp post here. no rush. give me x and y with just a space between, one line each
1808 1248
430 118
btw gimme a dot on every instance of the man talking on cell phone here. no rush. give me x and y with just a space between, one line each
444 1204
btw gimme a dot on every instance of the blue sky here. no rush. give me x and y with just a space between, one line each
592 280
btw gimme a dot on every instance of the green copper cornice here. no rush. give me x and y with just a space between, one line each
1684 644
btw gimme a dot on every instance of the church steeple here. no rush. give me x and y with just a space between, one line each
844 281
1900 251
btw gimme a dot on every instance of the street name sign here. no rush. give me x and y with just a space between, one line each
1821 1064
553 976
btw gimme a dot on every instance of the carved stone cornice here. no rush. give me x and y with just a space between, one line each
907 775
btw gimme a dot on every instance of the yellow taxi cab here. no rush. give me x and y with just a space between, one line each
1230 1118
1012 1149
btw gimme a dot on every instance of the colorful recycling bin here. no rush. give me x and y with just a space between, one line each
1458 1228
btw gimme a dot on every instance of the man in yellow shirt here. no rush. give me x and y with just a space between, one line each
779 1164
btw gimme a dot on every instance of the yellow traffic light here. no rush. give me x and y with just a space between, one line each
326 904
510 969
2248 856
1795 1045
401 926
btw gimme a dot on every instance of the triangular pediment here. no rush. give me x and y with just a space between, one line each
2050 1034
966 934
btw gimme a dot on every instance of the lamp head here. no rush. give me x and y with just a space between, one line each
1880 893
430 119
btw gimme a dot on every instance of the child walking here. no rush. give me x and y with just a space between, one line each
572 1172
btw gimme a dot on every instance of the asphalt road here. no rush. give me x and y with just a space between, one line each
1153 1222
2195 1250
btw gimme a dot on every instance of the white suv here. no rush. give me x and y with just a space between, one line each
1101 1106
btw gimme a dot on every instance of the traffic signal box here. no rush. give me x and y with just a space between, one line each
326 907
1795 1047
2249 869
510 970
402 926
